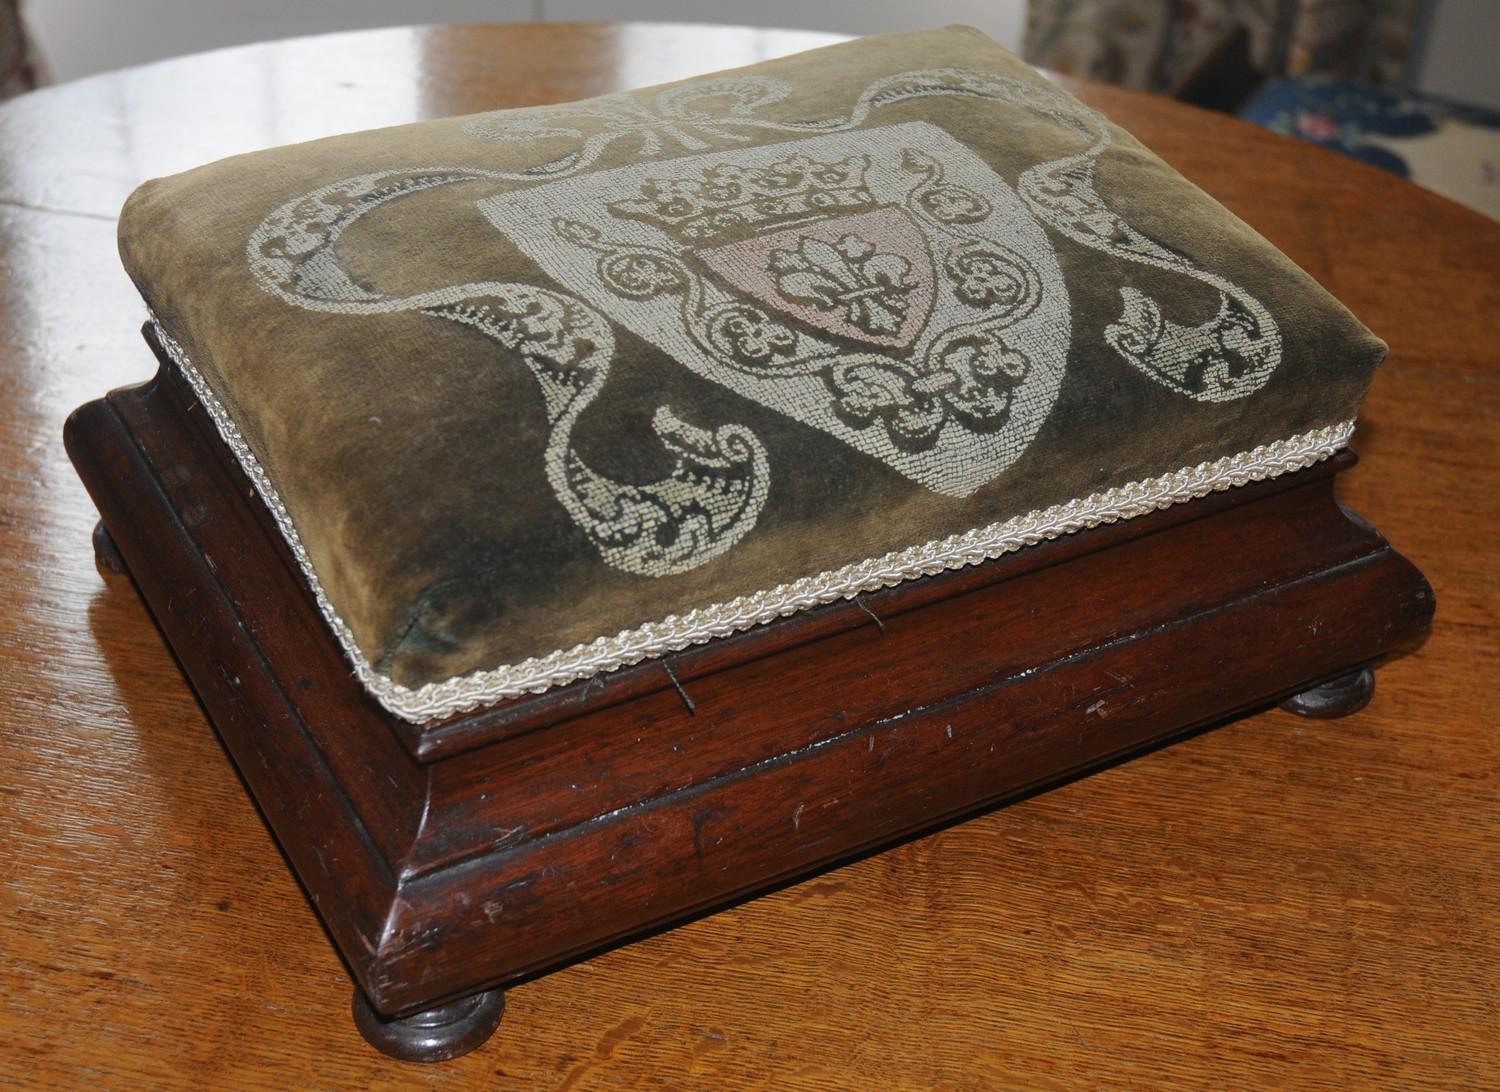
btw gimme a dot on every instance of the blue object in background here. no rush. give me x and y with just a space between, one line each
1393 130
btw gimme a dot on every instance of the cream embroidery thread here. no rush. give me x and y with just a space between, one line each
462 693
1225 358
719 477
931 326
698 260
975 380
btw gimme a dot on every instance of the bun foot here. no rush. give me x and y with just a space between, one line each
435 1035
106 553
1336 698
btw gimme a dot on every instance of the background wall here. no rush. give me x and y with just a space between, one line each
81 37
1462 58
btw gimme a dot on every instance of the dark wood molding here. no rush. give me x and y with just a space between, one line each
466 856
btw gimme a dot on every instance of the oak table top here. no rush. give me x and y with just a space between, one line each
1280 901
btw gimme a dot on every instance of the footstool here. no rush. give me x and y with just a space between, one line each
578 518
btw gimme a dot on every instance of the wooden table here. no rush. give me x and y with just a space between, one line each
1278 902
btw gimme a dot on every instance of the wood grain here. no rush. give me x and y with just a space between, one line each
1279 902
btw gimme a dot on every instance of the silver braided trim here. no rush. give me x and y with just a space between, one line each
678 631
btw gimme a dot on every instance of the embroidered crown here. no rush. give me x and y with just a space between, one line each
728 200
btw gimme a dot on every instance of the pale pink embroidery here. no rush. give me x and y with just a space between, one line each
866 276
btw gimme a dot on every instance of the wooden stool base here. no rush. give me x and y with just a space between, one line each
452 859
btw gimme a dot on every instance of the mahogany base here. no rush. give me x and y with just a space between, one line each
453 858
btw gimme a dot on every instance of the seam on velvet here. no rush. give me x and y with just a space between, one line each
463 693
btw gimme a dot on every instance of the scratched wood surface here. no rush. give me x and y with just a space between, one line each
1280 902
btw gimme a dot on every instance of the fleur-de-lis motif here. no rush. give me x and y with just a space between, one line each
869 286
969 375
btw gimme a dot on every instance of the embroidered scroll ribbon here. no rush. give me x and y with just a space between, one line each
717 484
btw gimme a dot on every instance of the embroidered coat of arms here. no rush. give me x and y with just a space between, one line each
883 285
878 282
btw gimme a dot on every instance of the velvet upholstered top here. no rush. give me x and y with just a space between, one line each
538 393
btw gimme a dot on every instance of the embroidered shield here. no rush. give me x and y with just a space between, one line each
883 285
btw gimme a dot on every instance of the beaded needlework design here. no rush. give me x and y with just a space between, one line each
880 283
876 280
674 632
883 285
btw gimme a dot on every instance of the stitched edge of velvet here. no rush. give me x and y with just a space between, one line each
463 693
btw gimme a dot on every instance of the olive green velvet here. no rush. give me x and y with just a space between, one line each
825 308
